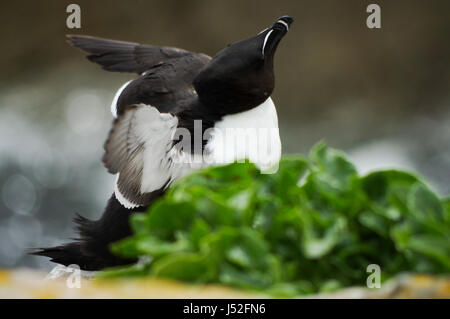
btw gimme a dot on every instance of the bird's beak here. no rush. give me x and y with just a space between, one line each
272 36
283 23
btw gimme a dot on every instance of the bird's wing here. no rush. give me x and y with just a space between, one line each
121 56
140 150
166 86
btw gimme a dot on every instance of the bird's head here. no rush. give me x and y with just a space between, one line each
241 76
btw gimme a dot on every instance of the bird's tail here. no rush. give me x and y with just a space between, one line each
91 250
67 254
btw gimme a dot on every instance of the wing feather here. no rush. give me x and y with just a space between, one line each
121 56
138 149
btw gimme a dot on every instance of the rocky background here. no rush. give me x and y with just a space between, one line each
34 284
381 95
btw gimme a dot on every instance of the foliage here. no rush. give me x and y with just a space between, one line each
313 226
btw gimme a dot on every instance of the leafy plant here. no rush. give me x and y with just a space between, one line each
313 226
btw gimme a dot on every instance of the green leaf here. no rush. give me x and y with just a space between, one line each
446 206
198 231
335 170
182 266
434 247
166 217
315 247
378 224
231 275
249 250
131 271
425 204
377 184
312 226
148 245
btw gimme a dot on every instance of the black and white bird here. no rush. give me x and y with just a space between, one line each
178 96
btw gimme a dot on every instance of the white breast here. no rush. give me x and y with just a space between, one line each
144 136
252 134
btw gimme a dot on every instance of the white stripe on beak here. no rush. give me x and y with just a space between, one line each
285 24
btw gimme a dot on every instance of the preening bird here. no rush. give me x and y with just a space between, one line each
177 97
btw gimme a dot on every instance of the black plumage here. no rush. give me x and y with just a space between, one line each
189 86
121 56
91 250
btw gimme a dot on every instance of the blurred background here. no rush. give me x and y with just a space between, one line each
382 95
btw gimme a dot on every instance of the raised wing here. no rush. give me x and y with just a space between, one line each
166 86
166 74
121 56
140 150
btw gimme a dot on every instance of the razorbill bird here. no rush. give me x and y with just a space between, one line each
180 97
